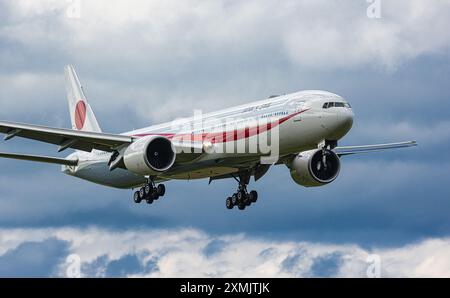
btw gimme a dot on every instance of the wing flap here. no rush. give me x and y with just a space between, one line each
65 138
38 158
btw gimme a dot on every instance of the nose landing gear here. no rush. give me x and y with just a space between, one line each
242 198
149 192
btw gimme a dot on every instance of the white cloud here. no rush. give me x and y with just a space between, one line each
429 258
341 35
182 253
22 91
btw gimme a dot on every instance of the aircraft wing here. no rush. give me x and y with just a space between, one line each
65 138
47 159
347 150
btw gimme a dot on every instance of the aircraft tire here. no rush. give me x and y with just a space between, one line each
161 190
136 197
229 203
253 196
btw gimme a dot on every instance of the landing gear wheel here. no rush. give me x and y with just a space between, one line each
147 190
253 196
136 197
240 196
234 199
142 193
154 195
229 203
161 190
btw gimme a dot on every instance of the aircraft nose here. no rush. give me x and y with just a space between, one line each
343 123
346 119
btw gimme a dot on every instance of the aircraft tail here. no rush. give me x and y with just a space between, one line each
81 114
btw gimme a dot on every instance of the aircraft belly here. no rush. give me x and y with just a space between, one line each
202 173
99 173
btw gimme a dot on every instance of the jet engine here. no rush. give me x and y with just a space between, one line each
315 167
149 155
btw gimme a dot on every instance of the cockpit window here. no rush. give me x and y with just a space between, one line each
336 104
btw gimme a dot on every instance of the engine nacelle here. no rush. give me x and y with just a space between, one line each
149 155
315 167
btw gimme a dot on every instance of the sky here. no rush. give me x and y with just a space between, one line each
144 62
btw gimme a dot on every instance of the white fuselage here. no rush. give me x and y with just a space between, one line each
303 120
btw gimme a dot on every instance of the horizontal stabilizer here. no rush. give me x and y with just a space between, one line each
37 158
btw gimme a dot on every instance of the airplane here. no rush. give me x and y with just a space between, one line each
306 127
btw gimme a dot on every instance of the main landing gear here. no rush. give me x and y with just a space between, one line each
150 192
242 198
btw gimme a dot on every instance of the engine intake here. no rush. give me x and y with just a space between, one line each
315 167
149 155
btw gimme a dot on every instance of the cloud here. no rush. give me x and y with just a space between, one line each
126 265
19 89
327 265
310 34
214 247
208 54
33 259
181 252
405 31
431 134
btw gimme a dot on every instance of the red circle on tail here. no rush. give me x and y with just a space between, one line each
80 114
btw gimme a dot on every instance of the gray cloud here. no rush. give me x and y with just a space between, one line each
126 265
312 34
34 259
209 55
327 265
214 247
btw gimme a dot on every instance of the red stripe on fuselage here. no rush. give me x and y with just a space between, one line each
230 136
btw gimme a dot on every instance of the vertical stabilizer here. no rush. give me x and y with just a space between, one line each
81 114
